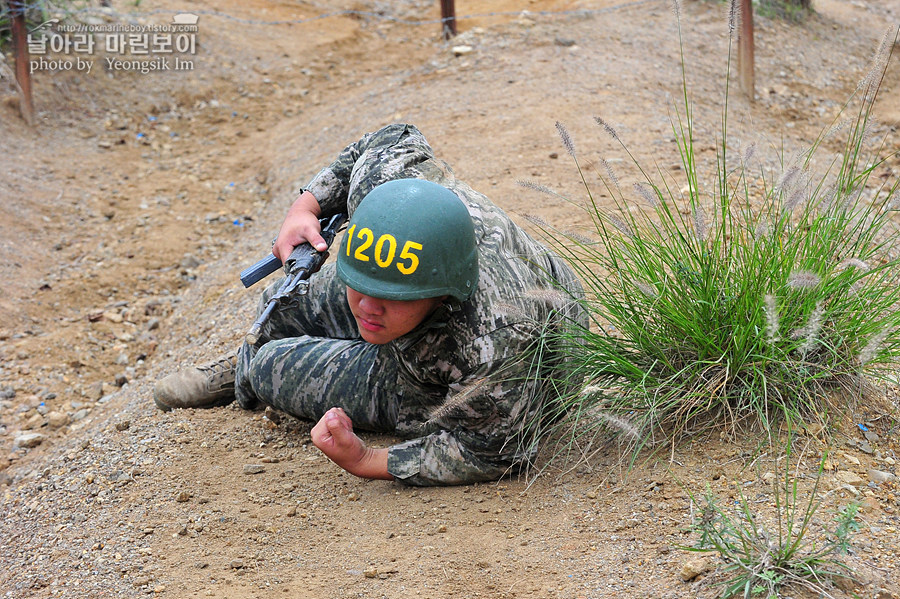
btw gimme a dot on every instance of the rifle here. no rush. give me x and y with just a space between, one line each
303 262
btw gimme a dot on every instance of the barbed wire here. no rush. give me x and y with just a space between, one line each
41 6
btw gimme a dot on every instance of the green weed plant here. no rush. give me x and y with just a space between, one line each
759 555
752 299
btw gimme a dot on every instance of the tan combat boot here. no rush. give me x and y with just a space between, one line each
205 386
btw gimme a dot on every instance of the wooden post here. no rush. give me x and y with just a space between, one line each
20 48
448 18
745 50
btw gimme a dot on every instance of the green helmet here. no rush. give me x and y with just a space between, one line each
410 239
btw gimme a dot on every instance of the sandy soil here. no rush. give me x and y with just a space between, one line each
135 200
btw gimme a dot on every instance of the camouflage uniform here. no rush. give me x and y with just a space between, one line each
463 383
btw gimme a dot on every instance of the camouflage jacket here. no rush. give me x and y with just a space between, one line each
477 363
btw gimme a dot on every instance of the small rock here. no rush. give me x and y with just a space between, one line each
7 392
693 568
123 425
36 421
183 496
849 478
80 414
853 490
189 261
95 391
121 380
462 50
237 564
254 468
870 504
865 447
57 419
370 572
871 436
852 459
29 440
848 585
879 476
112 316
442 528
273 415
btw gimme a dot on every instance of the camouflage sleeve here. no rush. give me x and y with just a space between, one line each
477 433
389 153
480 442
440 459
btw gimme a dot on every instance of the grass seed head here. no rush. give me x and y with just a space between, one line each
787 178
616 221
876 69
701 229
579 238
646 194
803 279
615 422
608 128
871 349
610 172
749 153
810 332
647 289
457 400
734 16
772 325
549 297
854 263
566 138
797 197
535 186
536 220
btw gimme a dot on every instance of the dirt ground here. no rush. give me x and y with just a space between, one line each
135 200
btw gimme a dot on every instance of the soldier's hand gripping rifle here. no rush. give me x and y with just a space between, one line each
303 262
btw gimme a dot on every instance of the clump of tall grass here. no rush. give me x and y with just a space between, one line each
752 298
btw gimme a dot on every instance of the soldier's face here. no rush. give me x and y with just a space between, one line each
381 321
